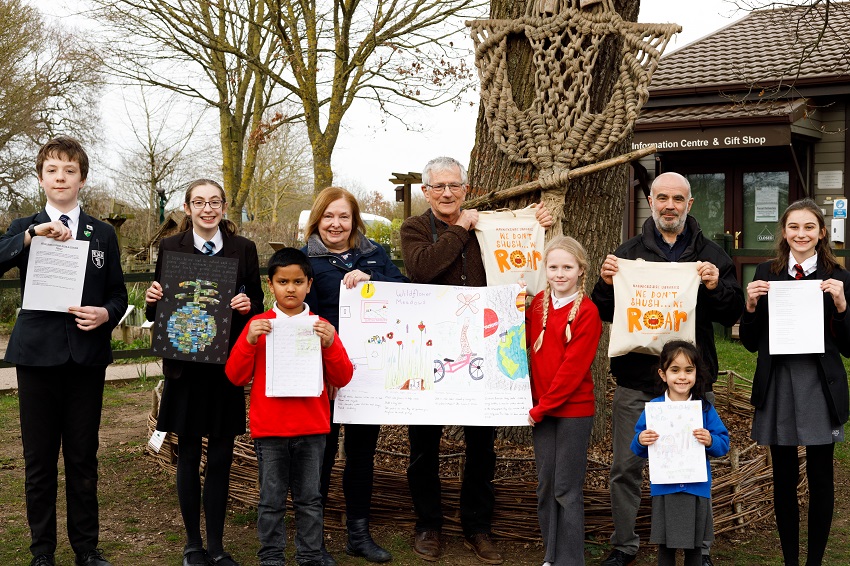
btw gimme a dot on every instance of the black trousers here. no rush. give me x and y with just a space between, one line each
477 495
358 475
61 406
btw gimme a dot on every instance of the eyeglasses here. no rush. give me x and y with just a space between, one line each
456 188
200 204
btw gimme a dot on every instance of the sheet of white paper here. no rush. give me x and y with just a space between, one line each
294 358
796 317
434 354
156 440
55 274
676 457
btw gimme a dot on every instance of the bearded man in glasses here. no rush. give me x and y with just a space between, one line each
440 248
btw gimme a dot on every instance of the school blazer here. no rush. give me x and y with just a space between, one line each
43 338
248 276
754 337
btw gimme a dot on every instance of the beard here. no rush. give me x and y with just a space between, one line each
674 226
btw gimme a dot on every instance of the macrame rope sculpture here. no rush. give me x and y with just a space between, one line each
559 131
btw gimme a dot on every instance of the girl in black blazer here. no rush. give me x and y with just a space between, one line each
198 399
801 399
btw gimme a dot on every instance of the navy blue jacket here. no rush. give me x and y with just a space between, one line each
719 447
328 271
723 305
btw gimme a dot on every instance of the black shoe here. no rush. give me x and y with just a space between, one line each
706 560
360 542
43 560
223 559
618 558
93 557
327 559
195 557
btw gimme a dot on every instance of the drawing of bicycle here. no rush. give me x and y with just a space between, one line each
447 365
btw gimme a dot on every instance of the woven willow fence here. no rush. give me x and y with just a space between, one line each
742 490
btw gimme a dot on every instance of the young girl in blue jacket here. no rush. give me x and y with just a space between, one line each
681 513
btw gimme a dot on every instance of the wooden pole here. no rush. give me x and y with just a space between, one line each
504 194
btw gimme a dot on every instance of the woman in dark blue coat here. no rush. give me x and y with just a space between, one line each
339 252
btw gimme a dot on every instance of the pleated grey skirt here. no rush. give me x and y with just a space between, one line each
681 520
795 412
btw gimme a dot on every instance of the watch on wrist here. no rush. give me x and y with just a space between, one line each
31 231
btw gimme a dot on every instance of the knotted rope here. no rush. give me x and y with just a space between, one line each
560 131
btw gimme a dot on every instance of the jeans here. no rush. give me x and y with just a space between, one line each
289 463
477 494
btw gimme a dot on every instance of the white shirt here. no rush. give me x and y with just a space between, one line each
281 314
73 215
561 303
667 397
809 266
217 240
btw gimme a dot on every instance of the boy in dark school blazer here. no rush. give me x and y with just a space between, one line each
61 358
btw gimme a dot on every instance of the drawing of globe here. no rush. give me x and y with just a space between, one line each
191 329
511 357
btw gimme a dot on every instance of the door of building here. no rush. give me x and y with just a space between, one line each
742 199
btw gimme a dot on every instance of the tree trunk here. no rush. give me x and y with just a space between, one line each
593 205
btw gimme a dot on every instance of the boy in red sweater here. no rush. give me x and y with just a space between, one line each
288 432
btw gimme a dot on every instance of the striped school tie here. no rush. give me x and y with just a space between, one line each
800 273
209 248
64 219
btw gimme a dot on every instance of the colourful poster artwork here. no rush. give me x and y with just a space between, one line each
193 318
431 354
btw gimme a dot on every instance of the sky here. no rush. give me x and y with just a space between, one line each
371 147
366 156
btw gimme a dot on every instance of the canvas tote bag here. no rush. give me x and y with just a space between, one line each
511 244
654 302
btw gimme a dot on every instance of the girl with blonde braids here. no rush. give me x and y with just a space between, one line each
565 326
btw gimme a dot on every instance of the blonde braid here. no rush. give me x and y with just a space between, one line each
576 305
573 312
539 342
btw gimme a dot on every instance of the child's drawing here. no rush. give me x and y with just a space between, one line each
433 345
677 456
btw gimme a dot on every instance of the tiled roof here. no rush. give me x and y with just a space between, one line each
782 111
763 48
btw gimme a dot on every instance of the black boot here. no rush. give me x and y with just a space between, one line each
327 559
360 542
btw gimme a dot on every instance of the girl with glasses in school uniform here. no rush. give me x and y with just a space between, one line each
198 400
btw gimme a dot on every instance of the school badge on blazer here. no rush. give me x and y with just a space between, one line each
98 258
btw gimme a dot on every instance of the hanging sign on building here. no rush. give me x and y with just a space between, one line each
830 180
839 208
690 139
767 204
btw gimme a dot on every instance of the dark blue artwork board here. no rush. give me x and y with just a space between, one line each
193 317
